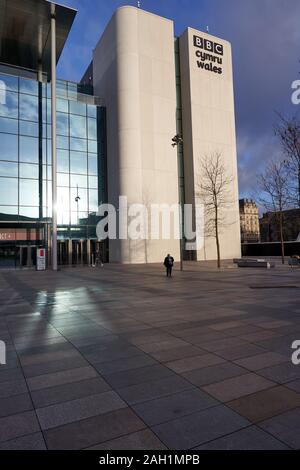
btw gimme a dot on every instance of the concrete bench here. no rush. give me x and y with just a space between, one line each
254 263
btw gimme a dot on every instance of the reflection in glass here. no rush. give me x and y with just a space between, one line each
62 124
76 107
83 199
8 169
9 147
10 210
8 125
62 105
29 128
92 126
29 108
93 182
32 212
63 161
93 165
62 179
11 83
9 106
92 111
29 149
78 126
78 144
29 86
78 218
9 191
62 142
63 199
93 200
28 170
29 192
78 163
92 146
78 180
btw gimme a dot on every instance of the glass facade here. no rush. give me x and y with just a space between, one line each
25 158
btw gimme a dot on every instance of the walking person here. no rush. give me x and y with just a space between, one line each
169 263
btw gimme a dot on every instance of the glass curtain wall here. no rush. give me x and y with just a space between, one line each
25 155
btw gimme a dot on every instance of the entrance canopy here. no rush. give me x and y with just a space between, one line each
25 39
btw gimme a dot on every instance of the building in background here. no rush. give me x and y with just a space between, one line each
249 217
269 226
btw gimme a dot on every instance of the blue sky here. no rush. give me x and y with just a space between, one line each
265 37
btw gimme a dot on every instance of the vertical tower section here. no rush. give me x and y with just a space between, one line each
208 118
134 70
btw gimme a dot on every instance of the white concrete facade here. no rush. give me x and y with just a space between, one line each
134 73
208 120
134 70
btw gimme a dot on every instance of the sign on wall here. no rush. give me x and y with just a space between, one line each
41 259
209 55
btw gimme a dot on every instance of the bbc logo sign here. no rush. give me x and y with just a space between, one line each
209 46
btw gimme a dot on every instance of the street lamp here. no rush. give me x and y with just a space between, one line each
176 142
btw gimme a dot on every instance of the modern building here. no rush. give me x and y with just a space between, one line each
249 217
109 136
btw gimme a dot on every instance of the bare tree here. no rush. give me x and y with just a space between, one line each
288 132
274 187
213 187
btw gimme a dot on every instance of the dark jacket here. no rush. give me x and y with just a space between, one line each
169 262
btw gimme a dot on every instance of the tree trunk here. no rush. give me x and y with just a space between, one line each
217 240
282 238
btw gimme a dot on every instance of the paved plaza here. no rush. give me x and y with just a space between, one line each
124 358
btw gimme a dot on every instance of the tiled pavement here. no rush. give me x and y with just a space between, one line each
123 358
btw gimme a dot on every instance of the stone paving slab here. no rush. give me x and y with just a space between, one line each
121 358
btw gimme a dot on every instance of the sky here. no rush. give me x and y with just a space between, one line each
265 38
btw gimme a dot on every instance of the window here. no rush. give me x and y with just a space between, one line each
62 142
78 163
8 125
62 124
82 202
63 161
62 179
62 105
92 146
29 128
28 170
63 199
78 126
9 147
29 192
9 105
92 111
29 108
78 180
11 83
30 87
29 150
93 200
93 182
9 191
8 169
78 144
93 165
32 212
92 126
76 107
